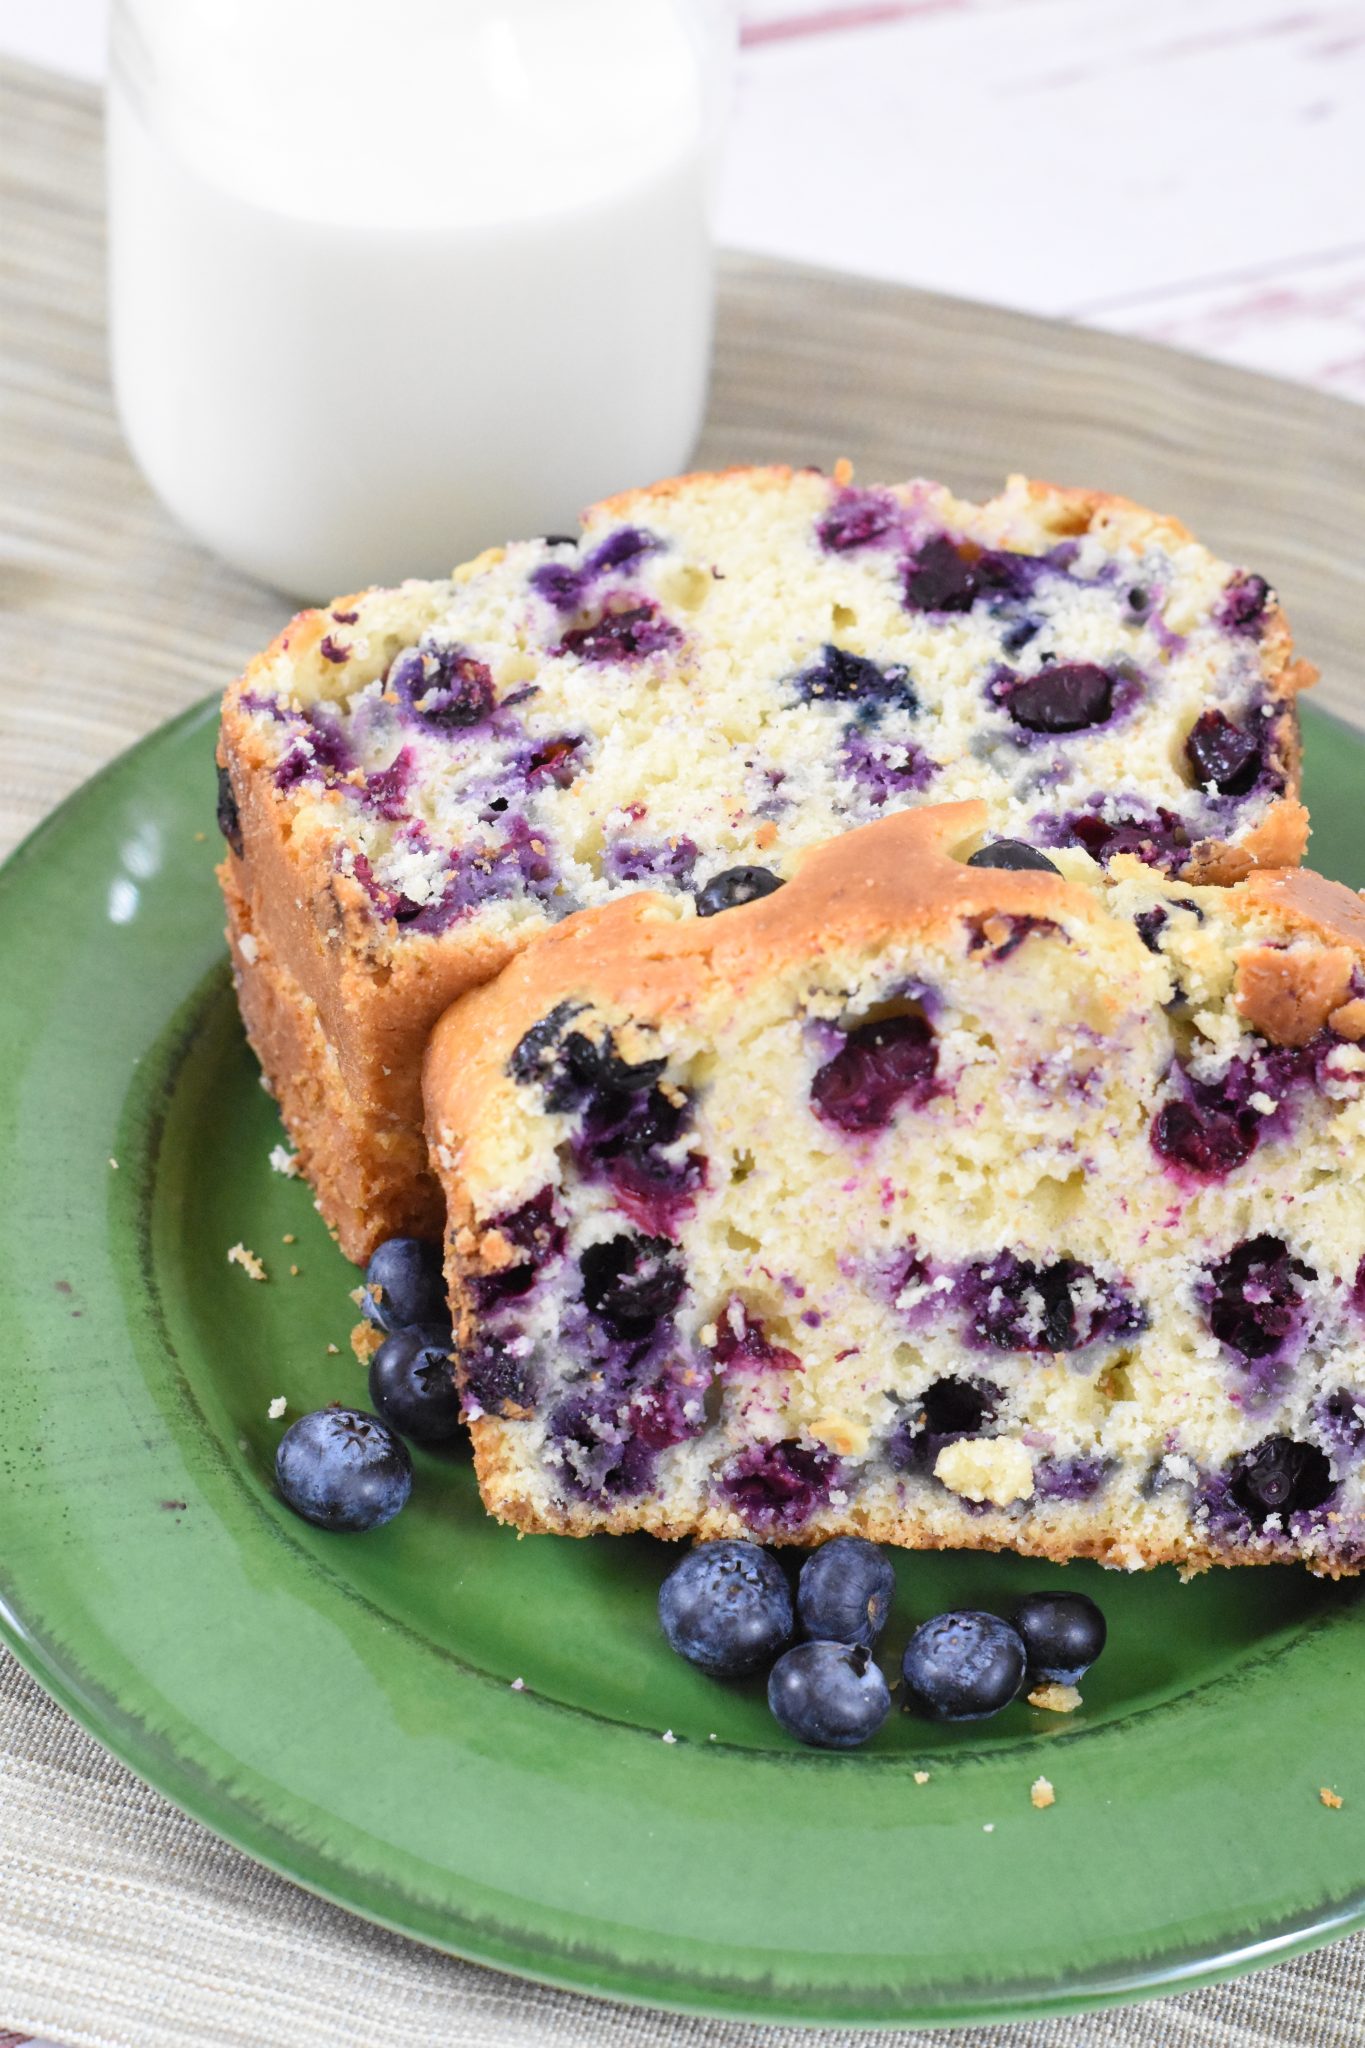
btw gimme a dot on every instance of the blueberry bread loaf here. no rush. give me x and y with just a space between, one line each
715 674
949 1204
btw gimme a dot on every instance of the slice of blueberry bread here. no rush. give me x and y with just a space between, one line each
946 1203
715 674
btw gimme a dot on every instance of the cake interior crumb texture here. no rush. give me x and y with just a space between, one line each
940 1204
718 671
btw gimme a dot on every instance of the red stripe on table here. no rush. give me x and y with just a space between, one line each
14 2040
1214 281
832 20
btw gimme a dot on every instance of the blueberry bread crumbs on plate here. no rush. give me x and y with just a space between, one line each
716 674
941 1204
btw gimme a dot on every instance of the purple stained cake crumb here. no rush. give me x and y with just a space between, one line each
840 677
885 769
639 861
442 689
497 1380
628 632
1012 1304
1070 1479
320 752
567 587
856 519
742 1344
534 1229
1255 1303
632 1140
333 650
1126 825
778 1486
1210 1127
1242 606
386 790
1340 1417
881 1067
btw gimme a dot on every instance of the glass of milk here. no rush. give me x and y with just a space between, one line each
392 282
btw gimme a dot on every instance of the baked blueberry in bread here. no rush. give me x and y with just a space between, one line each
927 1200
716 674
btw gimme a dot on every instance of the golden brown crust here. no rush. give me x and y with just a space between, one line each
1289 996
368 1171
896 876
903 1527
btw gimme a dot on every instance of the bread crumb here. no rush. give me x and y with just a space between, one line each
1055 1699
334 1351
357 1294
517 1685
668 1736
114 1163
200 837
248 948
1328 1796
1041 1793
284 1161
365 1341
248 1261
277 1408
293 1272
997 1469
288 1238
988 1827
921 1777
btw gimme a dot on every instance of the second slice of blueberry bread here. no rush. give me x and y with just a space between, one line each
940 1203
717 673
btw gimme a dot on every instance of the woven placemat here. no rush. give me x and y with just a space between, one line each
122 1923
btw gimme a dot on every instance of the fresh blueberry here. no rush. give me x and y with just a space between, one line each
1063 697
631 1283
880 1065
412 1384
1012 854
844 1592
831 1695
963 1666
404 1285
342 1469
1062 1634
1280 1477
733 886
1221 753
726 1608
229 822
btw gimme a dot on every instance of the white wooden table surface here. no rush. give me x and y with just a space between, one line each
1188 170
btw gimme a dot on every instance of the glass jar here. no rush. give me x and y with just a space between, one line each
391 283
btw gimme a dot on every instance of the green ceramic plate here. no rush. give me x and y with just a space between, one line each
344 1707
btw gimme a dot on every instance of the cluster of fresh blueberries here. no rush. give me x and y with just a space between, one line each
343 1468
728 1609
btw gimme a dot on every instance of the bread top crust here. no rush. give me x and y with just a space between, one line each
903 877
